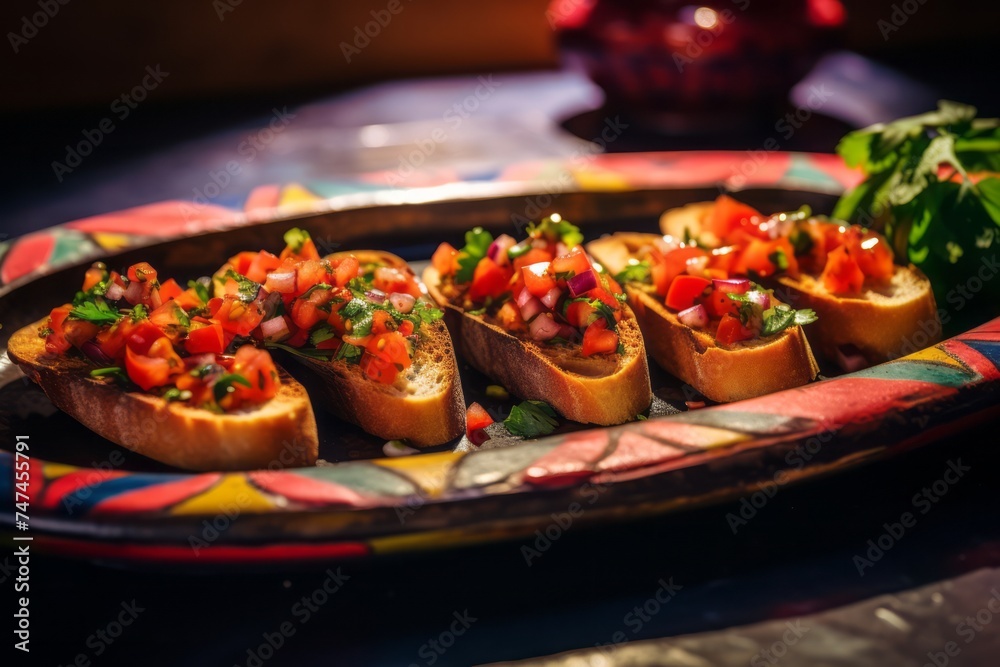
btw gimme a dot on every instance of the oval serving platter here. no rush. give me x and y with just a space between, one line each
93 500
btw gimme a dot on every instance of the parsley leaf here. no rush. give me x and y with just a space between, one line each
139 312
350 353
295 238
321 334
554 227
247 289
780 317
96 311
200 288
477 244
635 272
531 419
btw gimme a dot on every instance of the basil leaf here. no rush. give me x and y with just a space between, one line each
531 419
477 244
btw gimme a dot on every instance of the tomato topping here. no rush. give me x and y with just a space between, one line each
598 339
489 280
55 342
169 314
93 276
156 367
390 347
444 260
382 322
406 328
378 369
238 317
718 304
671 265
241 262
476 418
141 272
537 279
258 368
170 290
142 336
307 310
510 318
533 256
842 274
872 253
684 290
389 280
347 270
729 215
306 251
574 263
580 314
208 338
731 330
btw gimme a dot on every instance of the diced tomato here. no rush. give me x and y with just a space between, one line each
731 330
238 317
262 264
347 270
405 328
444 259
509 317
378 369
141 272
241 261
684 290
755 257
872 253
208 338
842 274
476 418
729 215
169 314
382 322
55 342
391 347
258 368
489 280
307 251
718 304
598 339
170 290
580 313
307 311
389 280
78 332
156 367
188 299
142 336
299 337
537 279
833 235
673 264
575 263
533 256
112 340
93 276
214 305
310 273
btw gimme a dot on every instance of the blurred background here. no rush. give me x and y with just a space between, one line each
160 96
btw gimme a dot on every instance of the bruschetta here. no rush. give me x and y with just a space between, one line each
869 307
361 321
727 337
537 317
145 364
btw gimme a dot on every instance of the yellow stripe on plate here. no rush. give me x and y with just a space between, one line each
428 471
233 493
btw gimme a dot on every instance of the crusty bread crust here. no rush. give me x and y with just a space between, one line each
587 391
747 369
881 322
278 434
425 407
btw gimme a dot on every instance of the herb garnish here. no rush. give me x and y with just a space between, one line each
554 226
531 419
780 317
295 238
224 385
96 312
477 244
635 272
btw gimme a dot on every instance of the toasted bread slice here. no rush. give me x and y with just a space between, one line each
279 433
881 322
592 390
747 369
425 406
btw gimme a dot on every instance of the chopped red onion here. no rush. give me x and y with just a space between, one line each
696 316
523 297
498 249
582 282
544 327
281 281
115 292
762 299
376 296
154 298
568 332
271 303
199 360
732 286
551 298
478 437
274 329
402 302
133 294
96 354
561 249
531 307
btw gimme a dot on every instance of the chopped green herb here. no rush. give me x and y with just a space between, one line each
779 259
200 288
801 241
175 394
139 312
247 289
635 272
304 352
295 238
96 312
109 371
780 317
350 353
45 332
641 418
531 419
477 244
555 227
321 334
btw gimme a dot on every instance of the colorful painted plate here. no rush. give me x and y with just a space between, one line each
87 498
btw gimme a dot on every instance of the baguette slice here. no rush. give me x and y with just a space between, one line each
425 406
594 390
881 322
279 433
750 368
